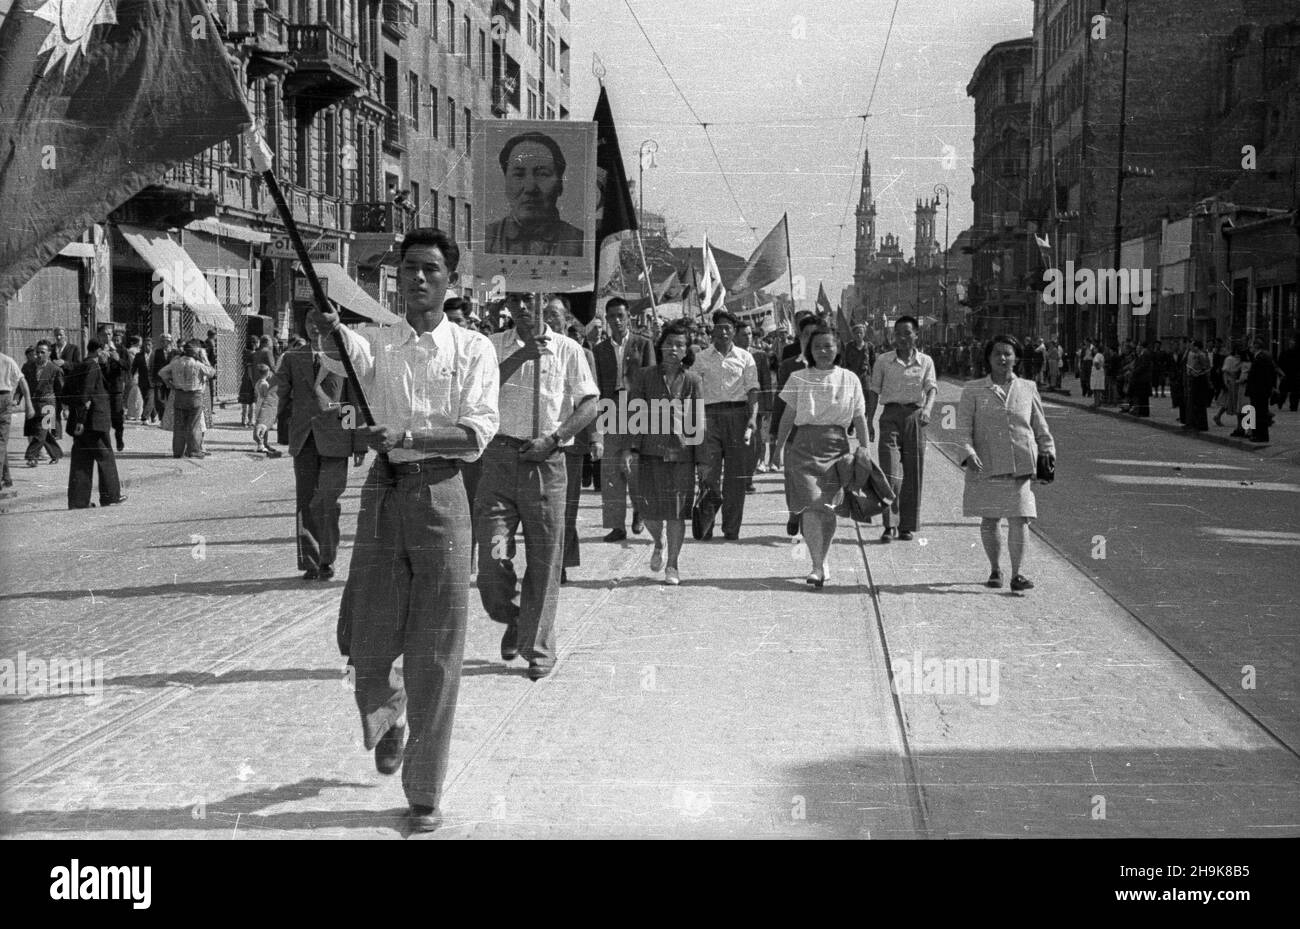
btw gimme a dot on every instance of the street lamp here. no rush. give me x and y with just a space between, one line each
947 201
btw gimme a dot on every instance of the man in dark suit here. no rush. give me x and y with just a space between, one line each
157 362
1260 384
618 361
90 421
117 381
315 400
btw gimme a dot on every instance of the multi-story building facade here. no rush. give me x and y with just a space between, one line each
1000 295
369 108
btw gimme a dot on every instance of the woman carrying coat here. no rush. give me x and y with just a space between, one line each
822 400
1002 430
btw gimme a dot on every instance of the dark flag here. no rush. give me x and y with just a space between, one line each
823 301
97 99
768 262
617 214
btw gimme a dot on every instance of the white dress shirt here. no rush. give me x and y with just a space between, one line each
899 381
433 380
619 349
565 380
726 378
824 398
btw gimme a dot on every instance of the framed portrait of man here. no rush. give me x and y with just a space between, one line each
535 210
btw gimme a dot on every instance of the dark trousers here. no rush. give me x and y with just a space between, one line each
514 493
724 446
616 487
118 418
1290 392
92 450
146 403
319 480
160 394
187 437
5 422
44 439
1263 417
408 594
902 458
572 493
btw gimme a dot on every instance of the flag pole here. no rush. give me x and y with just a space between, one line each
645 269
789 268
262 160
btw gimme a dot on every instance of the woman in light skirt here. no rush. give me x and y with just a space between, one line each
821 402
1002 431
665 459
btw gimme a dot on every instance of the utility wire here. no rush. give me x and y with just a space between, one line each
702 124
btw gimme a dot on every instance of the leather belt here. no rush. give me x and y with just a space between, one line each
510 441
424 466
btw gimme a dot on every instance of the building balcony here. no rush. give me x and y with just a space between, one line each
384 216
396 132
327 64
265 29
309 206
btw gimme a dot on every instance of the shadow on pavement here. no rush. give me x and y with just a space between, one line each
201 588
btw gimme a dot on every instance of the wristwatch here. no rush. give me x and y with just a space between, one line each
408 440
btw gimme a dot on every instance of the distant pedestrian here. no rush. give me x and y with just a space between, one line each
210 349
822 402
1288 364
665 461
904 383
247 395
1260 384
264 399
1229 373
1139 382
1159 369
90 421
1098 376
1002 431
186 378
161 356
1198 393
14 395
618 359
45 385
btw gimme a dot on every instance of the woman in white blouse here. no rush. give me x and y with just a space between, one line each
1002 431
822 401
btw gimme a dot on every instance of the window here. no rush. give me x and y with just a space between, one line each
466 34
433 208
482 54
330 155
433 20
550 53
451 27
1011 82
469 223
532 31
451 217
469 120
532 104
433 110
413 87
451 123
415 200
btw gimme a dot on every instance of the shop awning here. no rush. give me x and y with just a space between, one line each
179 272
350 296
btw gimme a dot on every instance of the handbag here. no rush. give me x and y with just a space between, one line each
1045 469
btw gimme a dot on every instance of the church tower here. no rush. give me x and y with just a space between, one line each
864 252
926 246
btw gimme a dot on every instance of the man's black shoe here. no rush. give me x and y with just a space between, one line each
425 818
1020 582
510 643
792 526
751 489
616 535
388 751
638 524
731 536
311 574
887 536
539 668
904 535
326 572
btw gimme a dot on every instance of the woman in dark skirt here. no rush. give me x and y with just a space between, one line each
822 400
247 396
663 446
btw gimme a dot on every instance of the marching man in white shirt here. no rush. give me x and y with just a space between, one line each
730 379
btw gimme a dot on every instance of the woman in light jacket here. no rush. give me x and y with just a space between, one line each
1002 430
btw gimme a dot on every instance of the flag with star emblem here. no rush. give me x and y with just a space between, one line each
97 99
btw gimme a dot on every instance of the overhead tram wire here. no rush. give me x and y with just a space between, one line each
702 124
862 138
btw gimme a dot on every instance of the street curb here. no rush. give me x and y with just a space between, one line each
1154 424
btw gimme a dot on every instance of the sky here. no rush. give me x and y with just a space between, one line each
782 85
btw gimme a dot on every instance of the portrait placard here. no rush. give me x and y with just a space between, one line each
535 204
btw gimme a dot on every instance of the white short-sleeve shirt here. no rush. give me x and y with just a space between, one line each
824 398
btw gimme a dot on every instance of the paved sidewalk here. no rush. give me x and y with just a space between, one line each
741 704
1284 435
146 461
